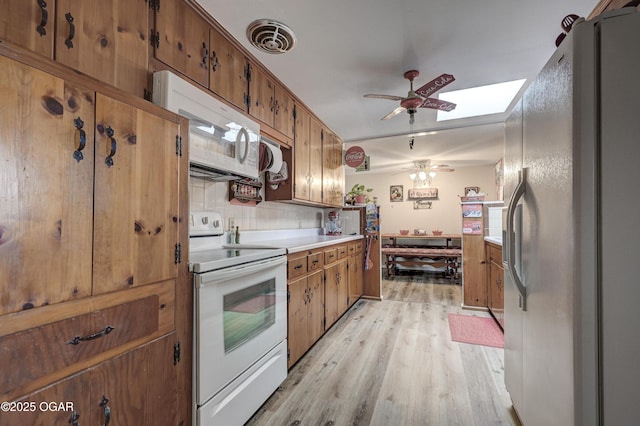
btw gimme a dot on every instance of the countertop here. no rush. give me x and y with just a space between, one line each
298 244
494 240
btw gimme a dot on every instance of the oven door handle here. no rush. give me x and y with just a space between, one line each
216 277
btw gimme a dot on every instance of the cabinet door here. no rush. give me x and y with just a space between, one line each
227 77
29 24
183 40
343 287
301 152
136 203
336 291
46 196
355 278
474 278
136 388
107 40
332 165
496 291
261 90
298 337
72 392
315 161
315 285
283 119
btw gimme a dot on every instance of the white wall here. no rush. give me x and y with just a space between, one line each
445 213
213 196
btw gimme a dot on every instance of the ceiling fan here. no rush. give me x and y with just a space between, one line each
422 168
420 97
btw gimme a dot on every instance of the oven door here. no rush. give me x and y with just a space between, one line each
240 315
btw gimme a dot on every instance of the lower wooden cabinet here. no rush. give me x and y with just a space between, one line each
474 284
322 284
137 387
306 314
495 280
355 263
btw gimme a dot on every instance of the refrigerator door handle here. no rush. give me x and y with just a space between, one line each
511 236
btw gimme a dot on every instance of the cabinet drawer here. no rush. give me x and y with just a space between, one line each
359 246
82 340
296 265
342 251
314 261
330 255
495 254
351 249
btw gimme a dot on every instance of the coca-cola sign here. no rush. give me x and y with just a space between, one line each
354 156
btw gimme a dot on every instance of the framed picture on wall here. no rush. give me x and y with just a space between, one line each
422 193
395 193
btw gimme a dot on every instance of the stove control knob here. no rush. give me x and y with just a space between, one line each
205 220
216 224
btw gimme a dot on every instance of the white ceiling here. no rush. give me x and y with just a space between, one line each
348 48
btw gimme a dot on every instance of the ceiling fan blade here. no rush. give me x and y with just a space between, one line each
394 113
438 104
442 168
434 85
390 97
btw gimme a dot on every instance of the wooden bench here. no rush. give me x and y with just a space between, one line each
413 257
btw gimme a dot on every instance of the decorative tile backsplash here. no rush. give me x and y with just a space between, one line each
205 195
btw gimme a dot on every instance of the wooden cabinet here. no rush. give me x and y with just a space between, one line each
90 247
30 24
271 103
181 40
474 279
117 391
355 264
305 295
106 40
336 296
332 171
307 165
228 70
495 280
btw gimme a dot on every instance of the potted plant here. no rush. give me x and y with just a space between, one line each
359 194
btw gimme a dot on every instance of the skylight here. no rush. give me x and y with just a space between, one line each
482 100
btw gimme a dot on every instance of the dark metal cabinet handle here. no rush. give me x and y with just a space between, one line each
214 61
81 139
297 267
72 31
205 55
104 403
45 17
273 106
76 340
73 420
277 107
109 160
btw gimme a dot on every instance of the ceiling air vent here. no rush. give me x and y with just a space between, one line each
271 36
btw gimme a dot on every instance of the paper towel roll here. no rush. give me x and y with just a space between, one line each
276 158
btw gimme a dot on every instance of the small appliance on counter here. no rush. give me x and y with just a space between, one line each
333 226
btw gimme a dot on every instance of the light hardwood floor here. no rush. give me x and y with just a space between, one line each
393 363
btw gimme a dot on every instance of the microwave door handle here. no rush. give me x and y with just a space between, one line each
243 134
511 236
217 277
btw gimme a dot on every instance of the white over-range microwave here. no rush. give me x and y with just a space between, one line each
223 143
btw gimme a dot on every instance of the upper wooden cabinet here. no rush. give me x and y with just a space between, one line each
181 40
228 70
29 24
136 202
332 172
270 103
136 192
106 40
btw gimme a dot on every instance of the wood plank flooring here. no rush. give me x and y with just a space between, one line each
393 363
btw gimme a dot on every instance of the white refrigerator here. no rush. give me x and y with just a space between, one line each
572 232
